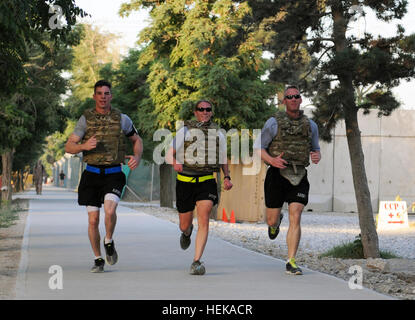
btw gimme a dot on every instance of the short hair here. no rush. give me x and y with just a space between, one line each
101 83
290 87
200 101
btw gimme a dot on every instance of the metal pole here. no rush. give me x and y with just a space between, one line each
152 177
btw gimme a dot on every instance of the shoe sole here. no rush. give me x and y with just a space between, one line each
97 271
298 273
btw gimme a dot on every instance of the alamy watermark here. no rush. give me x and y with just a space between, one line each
57 20
56 281
240 150
356 281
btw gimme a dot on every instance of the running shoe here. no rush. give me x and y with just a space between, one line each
292 268
273 231
98 266
185 240
111 253
197 268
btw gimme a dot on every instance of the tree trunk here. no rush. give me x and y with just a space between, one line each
166 186
364 205
7 162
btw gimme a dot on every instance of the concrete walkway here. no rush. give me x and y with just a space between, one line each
151 263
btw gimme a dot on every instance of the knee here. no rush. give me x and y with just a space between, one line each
271 221
93 222
184 226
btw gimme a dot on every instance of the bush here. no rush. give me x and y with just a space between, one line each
9 212
353 250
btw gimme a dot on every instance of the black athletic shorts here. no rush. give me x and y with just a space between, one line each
187 193
278 190
94 186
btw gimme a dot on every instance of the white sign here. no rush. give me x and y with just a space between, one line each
393 215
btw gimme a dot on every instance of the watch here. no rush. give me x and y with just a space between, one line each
226 177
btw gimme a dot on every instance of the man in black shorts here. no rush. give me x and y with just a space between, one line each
288 141
99 135
195 183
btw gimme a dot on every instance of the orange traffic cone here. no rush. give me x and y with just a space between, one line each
233 217
224 216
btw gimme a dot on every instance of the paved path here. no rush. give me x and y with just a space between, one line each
151 264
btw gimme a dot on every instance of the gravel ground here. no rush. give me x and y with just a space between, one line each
321 232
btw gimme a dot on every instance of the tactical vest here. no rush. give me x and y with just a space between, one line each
110 149
293 138
211 155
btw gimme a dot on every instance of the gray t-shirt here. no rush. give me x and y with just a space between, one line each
127 126
183 134
270 129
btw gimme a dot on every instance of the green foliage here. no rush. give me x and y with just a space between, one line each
35 111
202 49
9 211
311 48
89 56
23 22
353 250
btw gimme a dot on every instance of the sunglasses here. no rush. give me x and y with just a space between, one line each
209 109
289 97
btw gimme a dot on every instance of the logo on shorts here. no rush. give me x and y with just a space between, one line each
212 196
117 192
301 195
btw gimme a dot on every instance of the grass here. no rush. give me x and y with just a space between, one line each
353 250
9 212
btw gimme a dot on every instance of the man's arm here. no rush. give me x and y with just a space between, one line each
170 159
137 143
226 181
277 162
73 146
315 154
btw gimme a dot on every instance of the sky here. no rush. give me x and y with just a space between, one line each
105 15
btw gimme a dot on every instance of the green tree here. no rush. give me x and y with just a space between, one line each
91 54
23 21
201 49
24 24
36 109
340 64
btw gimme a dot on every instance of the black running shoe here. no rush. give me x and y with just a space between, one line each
273 231
197 268
98 266
111 253
185 240
292 268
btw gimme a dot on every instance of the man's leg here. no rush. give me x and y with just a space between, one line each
294 230
273 216
203 210
93 232
185 222
110 207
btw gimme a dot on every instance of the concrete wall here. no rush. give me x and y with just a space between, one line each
388 143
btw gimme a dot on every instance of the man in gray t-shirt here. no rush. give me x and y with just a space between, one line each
287 147
99 136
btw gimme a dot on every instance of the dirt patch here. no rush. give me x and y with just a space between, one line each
10 247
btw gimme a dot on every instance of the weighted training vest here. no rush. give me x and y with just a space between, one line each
293 138
110 148
202 161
